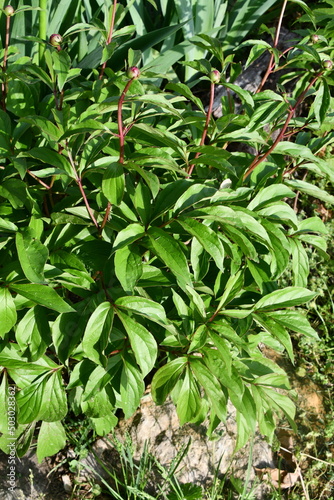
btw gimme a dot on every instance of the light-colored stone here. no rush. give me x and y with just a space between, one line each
159 427
67 483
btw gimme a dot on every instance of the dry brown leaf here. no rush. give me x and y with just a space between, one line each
280 479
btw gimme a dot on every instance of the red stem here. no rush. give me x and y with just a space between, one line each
277 34
121 135
82 191
257 160
206 126
39 180
110 34
121 129
4 66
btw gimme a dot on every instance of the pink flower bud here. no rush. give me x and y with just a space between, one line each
55 40
9 10
133 72
215 76
315 38
327 64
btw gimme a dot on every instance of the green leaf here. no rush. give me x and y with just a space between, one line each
277 330
223 350
199 338
189 399
113 183
47 128
132 387
300 263
207 238
51 439
142 342
51 157
67 331
217 367
169 196
142 202
169 251
197 300
4 407
211 387
280 402
32 255
54 400
131 233
144 307
184 90
312 225
128 267
8 314
100 404
33 333
226 331
280 212
61 65
243 431
311 189
269 195
233 286
97 333
165 379
295 321
287 297
6 225
29 401
104 425
260 272
43 295
194 194
322 102
244 95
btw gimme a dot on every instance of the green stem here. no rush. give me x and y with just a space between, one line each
43 21
259 159
206 126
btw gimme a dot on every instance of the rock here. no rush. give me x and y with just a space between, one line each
251 78
67 483
159 427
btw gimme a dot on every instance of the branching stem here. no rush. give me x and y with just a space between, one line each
259 159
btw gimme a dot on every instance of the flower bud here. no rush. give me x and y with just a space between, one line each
215 76
133 72
327 64
315 38
9 10
55 40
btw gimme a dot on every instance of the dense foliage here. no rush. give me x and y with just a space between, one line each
139 243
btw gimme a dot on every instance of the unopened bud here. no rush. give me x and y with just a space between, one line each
55 40
215 76
327 64
315 38
9 10
133 72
